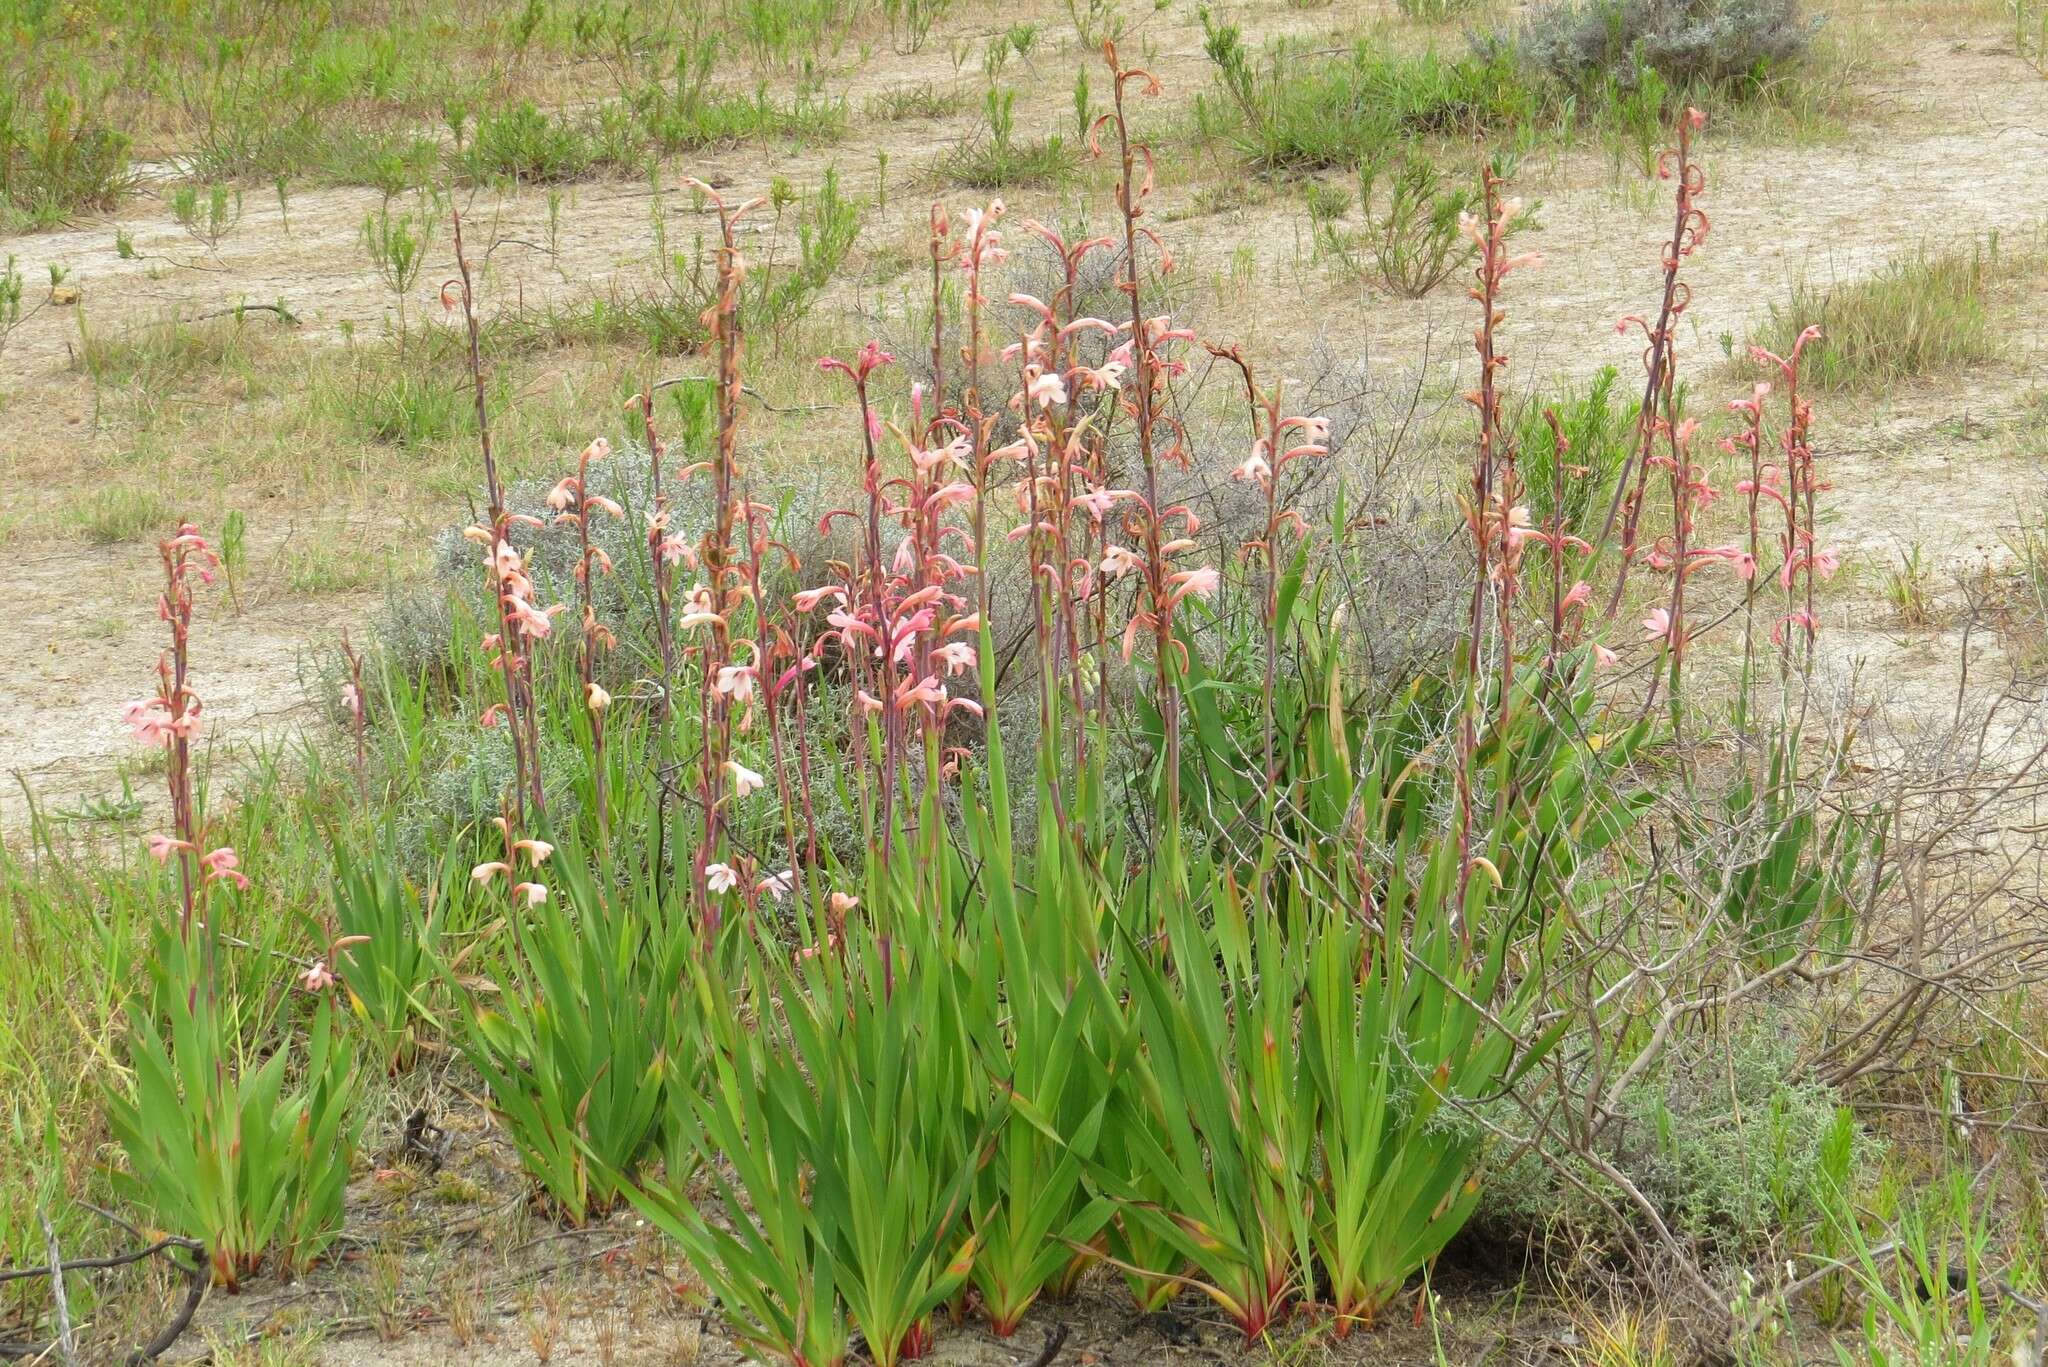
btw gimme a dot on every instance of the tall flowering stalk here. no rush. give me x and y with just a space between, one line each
1749 441
778 672
722 586
894 615
1489 514
1689 230
1675 554
1161 586
665 550
520 621
981 248
573 504
1793 489
1269 456
1567 606
1056 444
171 719
352 699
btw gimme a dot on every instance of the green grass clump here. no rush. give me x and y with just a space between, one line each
120 513
1000 159
1923 314
58 156
1289 113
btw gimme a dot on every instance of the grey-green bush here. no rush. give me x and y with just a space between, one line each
1584 43
1728 1137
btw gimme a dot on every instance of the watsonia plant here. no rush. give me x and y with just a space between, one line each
218 1148
952 1048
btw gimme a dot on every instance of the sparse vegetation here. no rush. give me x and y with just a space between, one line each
1925 314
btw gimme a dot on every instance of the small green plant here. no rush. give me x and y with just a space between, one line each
523 144
1908 588
397 245
1599 423
124 244
999 159
117 513
1925 1290
389 941
218 1148
1287 113
1922 314
209 212
59 158
2030 32
910 21
1413 237
234 553
10 299
591 1033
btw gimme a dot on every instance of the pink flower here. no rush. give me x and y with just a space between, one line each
536 851
1606 658
1658 626
777 885
1121 560
1579 594
720 878
957 656
1794 619
1046 390
224 863
1202 583
596 698
318 978
1255 466
735 682
533 893
745 781
484 873
841 903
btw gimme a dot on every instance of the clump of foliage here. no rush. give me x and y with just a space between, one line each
58 155
1585 43
1287 112
1922 314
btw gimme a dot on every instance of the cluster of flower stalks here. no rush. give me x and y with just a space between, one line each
1012 1030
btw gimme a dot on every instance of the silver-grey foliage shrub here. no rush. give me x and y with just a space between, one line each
1585 42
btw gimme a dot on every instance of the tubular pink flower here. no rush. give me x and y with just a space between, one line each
745 781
